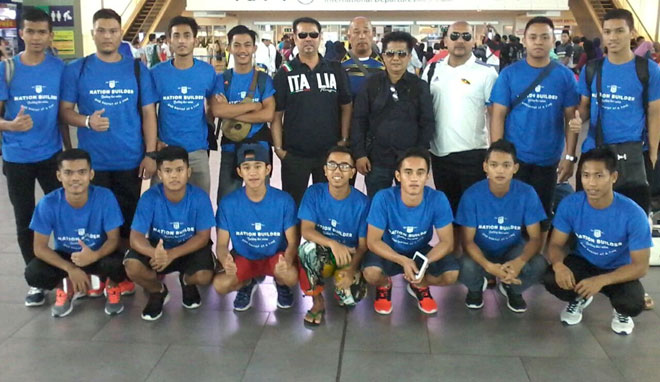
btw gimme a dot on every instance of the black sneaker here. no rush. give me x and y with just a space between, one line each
514 301
154 308
284 296
189 295
475 300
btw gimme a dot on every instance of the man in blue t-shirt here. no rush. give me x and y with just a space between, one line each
84 221
171 232
116 118
612 250
230 104
536 125
30 135
261 223
183 84
492 214
623 115
333 218
401 222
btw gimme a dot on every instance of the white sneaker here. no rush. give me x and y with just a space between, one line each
622 324
572 315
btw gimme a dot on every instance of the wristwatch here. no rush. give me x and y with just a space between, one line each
571 158
151 154
87 122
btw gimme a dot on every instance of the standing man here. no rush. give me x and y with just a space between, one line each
313 111
460 86
565 49
116 115
232 88
393 112
612 251
31 138
266 54
183 85
534 118
361 61
153 51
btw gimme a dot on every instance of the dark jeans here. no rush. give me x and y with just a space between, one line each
296 171
544 181
20 185
627 298
125 185
378 179
456 172
40 274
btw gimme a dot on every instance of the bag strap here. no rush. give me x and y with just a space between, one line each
642 69
429 75
544 73
136 71
226 79
599 89
253 84
359 64
10 69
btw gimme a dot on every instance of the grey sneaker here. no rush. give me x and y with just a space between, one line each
113 305
622 324
572 315
35 297
63 304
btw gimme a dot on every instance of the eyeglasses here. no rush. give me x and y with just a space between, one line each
467 36
400 53
303 35
395 95
343 166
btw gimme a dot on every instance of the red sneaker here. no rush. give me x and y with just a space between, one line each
127 287
425 302
383 301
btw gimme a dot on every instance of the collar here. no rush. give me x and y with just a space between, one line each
470 61
296 63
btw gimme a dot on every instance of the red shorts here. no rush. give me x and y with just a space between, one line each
247 269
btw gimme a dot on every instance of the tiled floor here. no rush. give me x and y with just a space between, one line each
214 343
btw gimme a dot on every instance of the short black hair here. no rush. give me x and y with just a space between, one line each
183 20
152 37
602 154
399 36
566 32
415 152
241 29
640 38
306 20
539 20
340 149
36 15
73 154
106 13
577 40
620 14
502 146
171 153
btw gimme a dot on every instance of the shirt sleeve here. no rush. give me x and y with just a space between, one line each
306 211
639 232
281 89
219 86
205 219
269 91
466 214
571 97
112 217
69 83
362 229
42 218
501 93
345 95
144 214
221 220
4 89
289 212
654 81
563 219
441 210
488 85
377 216
148 92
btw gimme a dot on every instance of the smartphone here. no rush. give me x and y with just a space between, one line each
422 262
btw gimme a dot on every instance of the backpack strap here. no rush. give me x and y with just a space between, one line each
642 69
429 75
590 71
261 82
226 79
136 71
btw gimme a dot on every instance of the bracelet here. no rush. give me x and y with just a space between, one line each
87 122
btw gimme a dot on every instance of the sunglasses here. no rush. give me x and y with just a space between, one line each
303 35
467 36
400 53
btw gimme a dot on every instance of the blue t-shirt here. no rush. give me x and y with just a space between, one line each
175 223
499 221
536 125
356 78
623 116
113 87
238 89
408 229
257 230
182 93
89 223
344 221
37 89
605 237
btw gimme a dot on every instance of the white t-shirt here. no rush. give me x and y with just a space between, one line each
460 96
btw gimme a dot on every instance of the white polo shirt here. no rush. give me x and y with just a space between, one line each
460 96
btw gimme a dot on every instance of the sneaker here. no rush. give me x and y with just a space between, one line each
93 293
514 301
63 303
127 287
113 305
189 295
622 324
154 308
383 301
475 300
243 299
425 302
284 296
572 315
35 297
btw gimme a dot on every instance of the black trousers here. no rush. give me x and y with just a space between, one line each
21 179
544 181
456 172
125 185
627 298
296 171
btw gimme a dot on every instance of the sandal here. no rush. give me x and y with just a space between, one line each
648 302
314 318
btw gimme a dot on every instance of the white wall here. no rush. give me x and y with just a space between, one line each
647 10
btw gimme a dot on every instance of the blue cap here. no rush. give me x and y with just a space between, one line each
260 153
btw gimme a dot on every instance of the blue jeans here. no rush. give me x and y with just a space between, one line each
472 274
377 179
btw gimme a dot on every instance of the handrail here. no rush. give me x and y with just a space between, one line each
136 11
638 19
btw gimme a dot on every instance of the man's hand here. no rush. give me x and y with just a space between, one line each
589 287
409 270
160 145
229 265
22 122
342 142
341 253
147 168
97 122
85 256
79 280
161 258
281 153
513 268
345 277
363 165
496 270
282 265
565 170
575 124
653 156
564 276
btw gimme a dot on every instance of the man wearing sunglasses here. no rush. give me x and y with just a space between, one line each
313 110
393 112
460 86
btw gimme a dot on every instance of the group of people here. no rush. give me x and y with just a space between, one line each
496 144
